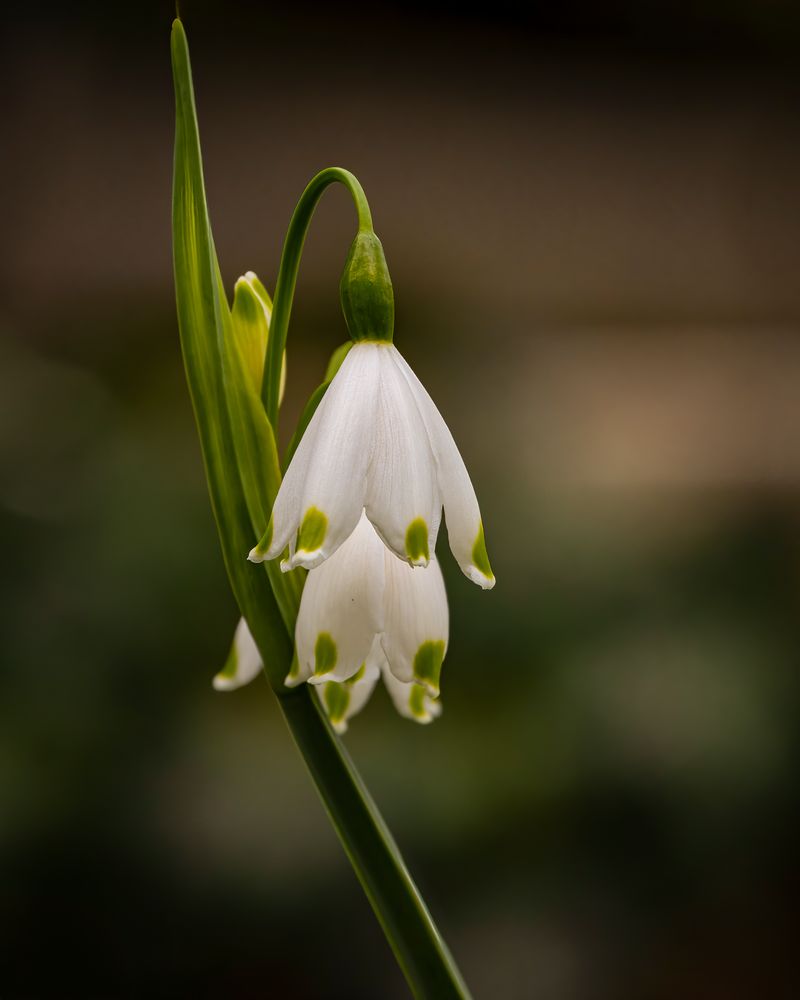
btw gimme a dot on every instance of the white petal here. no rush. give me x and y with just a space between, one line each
402 493
463 516
417 622
411 700
341 610
322 494
243 663
343 701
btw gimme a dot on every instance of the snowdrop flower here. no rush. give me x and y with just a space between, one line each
362 607
376 443
364 613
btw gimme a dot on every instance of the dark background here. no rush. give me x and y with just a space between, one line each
591 214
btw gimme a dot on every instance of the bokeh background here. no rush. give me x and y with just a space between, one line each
591 215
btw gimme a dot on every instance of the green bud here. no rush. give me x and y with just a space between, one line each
251 315
366 290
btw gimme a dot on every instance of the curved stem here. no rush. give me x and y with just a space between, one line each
287 274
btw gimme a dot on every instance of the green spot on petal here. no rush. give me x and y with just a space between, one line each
336 698
325 654
264 542
428 664
228 672
416 701
417 541
357 675
312 530
480 557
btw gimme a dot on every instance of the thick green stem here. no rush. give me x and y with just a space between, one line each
409 928
287 274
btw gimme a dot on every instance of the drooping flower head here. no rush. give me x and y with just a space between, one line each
376 443
363 613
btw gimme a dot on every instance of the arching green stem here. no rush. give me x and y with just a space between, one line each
287 273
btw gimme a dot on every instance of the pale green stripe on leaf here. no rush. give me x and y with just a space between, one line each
204 321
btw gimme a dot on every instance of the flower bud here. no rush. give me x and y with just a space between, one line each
366 290
251 315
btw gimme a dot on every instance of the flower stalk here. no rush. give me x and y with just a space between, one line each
290 265
238 446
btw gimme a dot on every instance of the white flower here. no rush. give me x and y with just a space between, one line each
243 662
376 443
365 613
362 607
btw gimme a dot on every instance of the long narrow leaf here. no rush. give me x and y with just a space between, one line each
257 458
203 316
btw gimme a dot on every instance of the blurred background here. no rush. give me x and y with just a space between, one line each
591 215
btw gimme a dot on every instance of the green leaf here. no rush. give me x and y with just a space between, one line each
254 442
206 338
337 358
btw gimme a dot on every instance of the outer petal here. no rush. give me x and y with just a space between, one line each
243 663
464 525
403 499
343 701
411 700
341 610
417 622
322 494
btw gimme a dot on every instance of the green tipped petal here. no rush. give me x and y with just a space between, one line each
293 678
259 552
417 542
480 561
228 672
358 675
416 701
428 664
412 700
342 700
243 662
312 530
325 654
336 701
